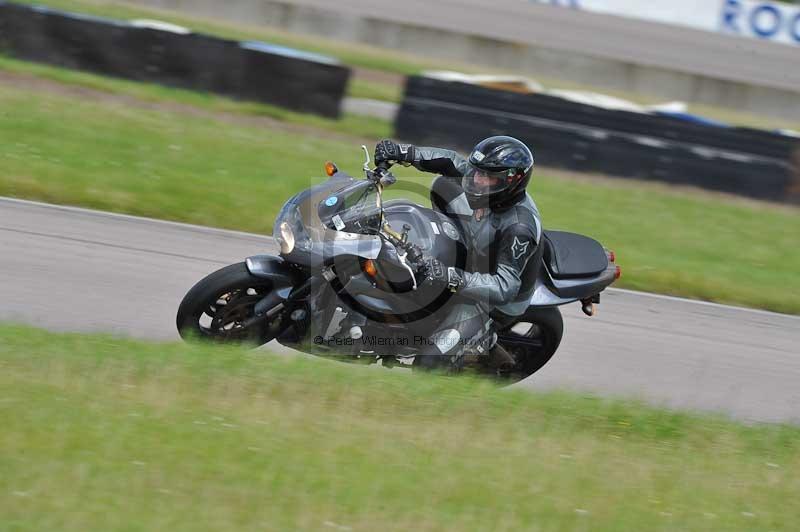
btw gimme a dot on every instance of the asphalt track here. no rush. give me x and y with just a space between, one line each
71 269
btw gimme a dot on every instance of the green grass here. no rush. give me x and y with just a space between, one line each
106 434
171 165
348 124
154 163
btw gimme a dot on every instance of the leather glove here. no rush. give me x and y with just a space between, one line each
388 151
438 274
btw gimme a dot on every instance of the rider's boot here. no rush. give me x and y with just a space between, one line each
501 361
437 362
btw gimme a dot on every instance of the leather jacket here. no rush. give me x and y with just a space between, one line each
504 255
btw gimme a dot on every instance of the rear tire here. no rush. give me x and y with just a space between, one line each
217 307
533 340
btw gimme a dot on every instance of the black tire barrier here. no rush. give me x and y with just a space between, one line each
301 82
304 85
592 149
746 140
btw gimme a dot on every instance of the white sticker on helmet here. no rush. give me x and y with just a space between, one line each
478 156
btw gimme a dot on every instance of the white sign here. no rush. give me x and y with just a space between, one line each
762 20
766 20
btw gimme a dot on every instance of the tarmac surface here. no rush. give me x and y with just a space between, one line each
69 269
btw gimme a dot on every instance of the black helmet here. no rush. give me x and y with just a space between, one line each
501 169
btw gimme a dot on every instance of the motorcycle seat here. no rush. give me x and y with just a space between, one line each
572 256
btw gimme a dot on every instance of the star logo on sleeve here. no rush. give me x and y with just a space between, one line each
518 249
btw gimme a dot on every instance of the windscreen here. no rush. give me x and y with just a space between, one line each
339 216
353 209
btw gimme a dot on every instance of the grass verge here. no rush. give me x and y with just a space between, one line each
168 164
149 92
107 434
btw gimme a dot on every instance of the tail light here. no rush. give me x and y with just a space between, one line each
612 257
618 273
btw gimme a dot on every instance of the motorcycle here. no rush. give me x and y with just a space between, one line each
350 282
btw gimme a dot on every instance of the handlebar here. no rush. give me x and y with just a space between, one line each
382 175
414 255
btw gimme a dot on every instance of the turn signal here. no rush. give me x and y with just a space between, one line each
330 169
618 273
369 268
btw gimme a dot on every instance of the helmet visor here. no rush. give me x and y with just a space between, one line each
482 182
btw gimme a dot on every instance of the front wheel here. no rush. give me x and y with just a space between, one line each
220 308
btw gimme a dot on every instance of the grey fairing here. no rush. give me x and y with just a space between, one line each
273 268
549 292
544 297
362 246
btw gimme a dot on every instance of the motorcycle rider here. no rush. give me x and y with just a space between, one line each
486 194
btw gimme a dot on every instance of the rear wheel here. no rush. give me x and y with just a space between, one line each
532 340
221 307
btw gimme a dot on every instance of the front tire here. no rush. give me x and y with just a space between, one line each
219 306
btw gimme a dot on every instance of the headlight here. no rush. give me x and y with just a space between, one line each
286 239
289 231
